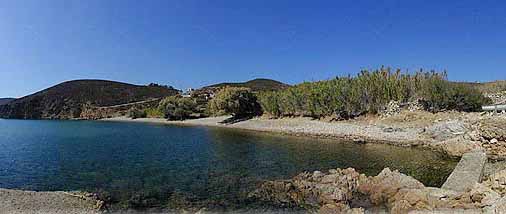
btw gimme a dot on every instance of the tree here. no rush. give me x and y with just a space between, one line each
177 107
135 113
240 102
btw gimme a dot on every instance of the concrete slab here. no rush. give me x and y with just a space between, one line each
467 173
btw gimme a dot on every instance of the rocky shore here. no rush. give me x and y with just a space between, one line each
347 191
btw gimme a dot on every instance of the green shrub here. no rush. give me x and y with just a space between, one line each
177 107
436 94
369 92
154 113
465 98
270 103
236 101
135 113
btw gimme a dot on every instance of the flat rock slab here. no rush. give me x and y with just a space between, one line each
17 201
467 173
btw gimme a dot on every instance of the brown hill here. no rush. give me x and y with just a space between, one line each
489 87
4 101
66 100
255 85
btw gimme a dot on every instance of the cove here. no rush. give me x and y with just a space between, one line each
149 165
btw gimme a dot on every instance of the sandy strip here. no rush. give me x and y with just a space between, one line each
27 202
308 127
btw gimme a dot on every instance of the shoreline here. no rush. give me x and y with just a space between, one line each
303 127
307 127
452 133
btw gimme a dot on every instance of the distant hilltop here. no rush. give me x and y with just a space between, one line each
488 87
67 100
4 101
255 85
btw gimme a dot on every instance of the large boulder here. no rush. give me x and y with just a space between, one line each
458 146
402 194
436 200
383 187
312 190
447 129
341 208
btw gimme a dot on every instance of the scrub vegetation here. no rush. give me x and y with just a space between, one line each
339 98
368 92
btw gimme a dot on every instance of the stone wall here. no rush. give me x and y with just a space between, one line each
497 98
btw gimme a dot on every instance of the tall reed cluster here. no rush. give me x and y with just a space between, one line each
369 92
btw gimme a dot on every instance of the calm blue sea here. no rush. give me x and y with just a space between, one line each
149 164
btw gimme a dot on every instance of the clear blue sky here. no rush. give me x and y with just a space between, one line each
193 43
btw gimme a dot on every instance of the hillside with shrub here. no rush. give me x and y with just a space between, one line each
256 85
488 87
67 100
347 97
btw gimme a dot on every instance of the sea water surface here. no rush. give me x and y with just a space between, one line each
149 165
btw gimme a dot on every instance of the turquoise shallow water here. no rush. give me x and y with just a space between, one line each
154 165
